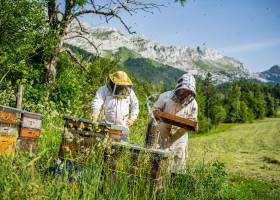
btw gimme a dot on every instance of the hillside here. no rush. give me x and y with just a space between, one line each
141 68
145 68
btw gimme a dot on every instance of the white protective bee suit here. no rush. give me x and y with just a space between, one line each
116 110
175 138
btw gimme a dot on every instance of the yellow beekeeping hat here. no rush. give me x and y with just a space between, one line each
120 78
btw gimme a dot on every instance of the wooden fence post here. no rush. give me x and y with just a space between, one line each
19 96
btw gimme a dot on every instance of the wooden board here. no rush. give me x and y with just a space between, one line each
176 120
7 145
29 133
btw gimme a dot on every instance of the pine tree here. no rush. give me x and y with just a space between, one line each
214 109
233 104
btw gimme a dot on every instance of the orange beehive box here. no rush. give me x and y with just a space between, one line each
29 133
9 115
7 144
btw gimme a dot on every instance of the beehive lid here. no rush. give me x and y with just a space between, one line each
10 109
161 152
32 115
66 117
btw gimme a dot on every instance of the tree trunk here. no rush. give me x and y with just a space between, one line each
60 28
51 63
51 68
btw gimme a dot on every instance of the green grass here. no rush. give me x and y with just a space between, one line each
219 129
249 188
248 168
250 150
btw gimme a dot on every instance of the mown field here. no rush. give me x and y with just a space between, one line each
251 150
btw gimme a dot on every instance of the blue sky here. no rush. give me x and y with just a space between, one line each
248 30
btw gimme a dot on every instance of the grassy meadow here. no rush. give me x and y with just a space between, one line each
234 161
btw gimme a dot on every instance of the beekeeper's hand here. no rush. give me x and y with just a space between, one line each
155 113
129 122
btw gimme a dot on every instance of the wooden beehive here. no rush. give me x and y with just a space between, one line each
9 130
116 132
30 131
7 144
30 125
9 115
159 161
78 137
75 144
31 120
83 130
28 144
175 120
77 124
9 126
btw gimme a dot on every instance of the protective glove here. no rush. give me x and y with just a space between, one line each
129 122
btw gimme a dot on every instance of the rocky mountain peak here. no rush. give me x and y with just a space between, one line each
198 60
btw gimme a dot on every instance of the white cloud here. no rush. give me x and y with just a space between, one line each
252 46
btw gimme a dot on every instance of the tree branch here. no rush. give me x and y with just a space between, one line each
80 25
4 76
112 9
106 14
73 57
90 42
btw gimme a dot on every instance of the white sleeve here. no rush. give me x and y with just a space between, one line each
159 104
194 111
134 105
98 100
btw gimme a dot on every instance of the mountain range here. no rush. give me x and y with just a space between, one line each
143 57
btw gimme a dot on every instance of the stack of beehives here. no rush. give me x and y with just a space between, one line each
9 128
18 127
30 131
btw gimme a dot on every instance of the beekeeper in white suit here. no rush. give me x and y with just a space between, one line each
117 100
180 101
